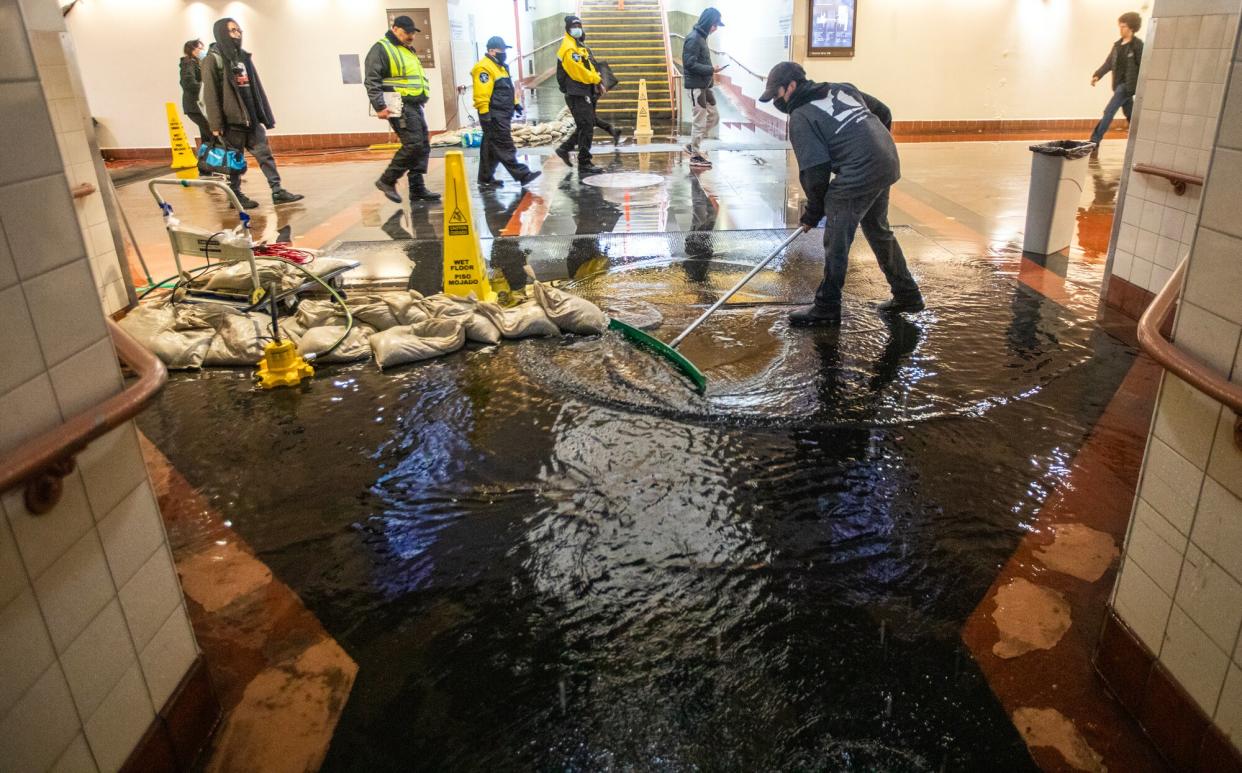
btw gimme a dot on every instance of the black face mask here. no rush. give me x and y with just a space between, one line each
501 57
781 104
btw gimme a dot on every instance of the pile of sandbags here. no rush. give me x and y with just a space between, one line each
398 327
525 135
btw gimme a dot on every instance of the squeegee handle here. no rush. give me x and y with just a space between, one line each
733 291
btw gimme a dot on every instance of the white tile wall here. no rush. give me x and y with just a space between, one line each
1177 110
94 636
1192 477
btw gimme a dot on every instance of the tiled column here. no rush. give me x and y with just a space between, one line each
94 637
1176 112
1180 587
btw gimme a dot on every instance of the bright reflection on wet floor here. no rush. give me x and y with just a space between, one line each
552 554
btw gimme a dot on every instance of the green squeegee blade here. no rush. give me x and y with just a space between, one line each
664 350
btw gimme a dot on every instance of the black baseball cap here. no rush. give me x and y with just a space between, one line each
571 20
781 76
496 42
405 23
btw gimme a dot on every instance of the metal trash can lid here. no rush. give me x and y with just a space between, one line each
1070 149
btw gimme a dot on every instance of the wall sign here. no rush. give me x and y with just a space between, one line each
832 27
423 45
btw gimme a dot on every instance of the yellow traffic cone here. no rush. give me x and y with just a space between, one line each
642 130
183 159
464 270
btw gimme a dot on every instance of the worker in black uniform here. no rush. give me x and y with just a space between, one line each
580 82
398 89
496 102
847 161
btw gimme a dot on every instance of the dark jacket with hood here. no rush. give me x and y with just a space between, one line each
696 57
191 84
1124 61
841 138
226 66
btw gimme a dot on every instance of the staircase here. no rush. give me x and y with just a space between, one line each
631 40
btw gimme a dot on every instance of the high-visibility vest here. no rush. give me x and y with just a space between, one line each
405 71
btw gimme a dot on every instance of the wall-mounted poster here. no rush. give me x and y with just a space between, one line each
422 39
833 25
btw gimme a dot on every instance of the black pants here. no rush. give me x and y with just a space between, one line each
253 139
200 120
498 148
583 111
411 157
844 217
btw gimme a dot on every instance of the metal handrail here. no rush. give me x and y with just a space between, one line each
1175 360
1179 179
42 462
732 58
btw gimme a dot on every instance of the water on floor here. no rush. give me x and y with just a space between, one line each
551 554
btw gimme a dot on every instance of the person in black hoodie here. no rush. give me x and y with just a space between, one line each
237 108
847 161
192 85
700 75
1123 61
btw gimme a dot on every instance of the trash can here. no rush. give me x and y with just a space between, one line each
1058 171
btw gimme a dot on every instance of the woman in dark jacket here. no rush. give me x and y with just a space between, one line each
192 85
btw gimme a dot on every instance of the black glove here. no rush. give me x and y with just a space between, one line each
811 219
518 109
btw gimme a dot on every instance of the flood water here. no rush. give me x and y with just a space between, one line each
553 555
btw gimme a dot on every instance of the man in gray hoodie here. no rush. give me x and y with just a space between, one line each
700 76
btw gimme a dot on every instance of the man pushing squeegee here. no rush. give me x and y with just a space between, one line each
847 162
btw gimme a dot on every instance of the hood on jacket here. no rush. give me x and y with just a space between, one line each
230 49
709 17
807 91
573 21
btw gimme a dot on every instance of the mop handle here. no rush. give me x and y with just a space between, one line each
725 298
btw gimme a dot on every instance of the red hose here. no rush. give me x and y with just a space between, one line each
284 252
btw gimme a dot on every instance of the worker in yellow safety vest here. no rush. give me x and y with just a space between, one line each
497 100
398 89
581 84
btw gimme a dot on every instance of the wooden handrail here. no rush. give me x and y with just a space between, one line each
1175 360
42 462
1179 179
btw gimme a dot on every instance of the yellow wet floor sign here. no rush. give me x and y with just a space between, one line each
183 160
642 128
464 269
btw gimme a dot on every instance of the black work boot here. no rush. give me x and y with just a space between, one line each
815 315
530 178
616 136
246 201
389 190
282 196
419 191
898 304
563 155
588 168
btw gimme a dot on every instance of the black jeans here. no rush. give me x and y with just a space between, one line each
200 120
844 217
498 148
411 157
583 111
253 139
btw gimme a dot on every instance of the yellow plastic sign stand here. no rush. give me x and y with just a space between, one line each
464 269
182 151
642 129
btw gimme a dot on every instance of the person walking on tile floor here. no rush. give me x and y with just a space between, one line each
496 101
696 60
398 89
847 161
1123 62
237 109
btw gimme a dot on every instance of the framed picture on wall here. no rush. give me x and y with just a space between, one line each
423 45
832 27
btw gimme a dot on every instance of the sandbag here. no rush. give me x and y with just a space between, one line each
420 341
312 314
154 325
569 312
479 328
355 346
376 311
235 277
526 320
238 341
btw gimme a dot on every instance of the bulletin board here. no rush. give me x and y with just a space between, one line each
832 27
423 45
